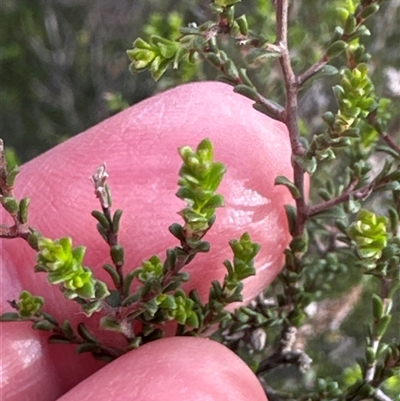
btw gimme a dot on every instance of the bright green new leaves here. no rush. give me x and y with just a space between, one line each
355 98
199 179
151 269
28 305
369 233
244 252
157 55
179 307
63 265
354 95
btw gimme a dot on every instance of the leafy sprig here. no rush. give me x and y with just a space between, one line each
150 294
352 133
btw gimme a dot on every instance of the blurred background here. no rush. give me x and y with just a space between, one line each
64 69
64 66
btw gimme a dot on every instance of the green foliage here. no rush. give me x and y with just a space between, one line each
29 305
151 293
63 265
369 233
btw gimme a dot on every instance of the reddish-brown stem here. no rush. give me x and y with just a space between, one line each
291 86
312 70
391 143
343 197
18 230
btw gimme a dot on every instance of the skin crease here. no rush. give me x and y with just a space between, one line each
139 146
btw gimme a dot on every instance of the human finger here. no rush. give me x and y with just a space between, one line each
139 146
172 369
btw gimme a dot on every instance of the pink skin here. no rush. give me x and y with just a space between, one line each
175 368
139 146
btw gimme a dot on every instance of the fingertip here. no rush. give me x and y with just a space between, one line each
173 369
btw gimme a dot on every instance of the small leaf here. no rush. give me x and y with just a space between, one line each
326 71
369 10
360 32
335 49
109 323
10 204
114 299
245 90
350 25
23 210
243 24
117 254
377 306
383 325
291 215
113 273
128 282
259 54
85 333
58 339
101 218
67 329
10 317
281 180
132 298
87 347
43 325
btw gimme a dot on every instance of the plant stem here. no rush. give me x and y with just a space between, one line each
312 70
291 86
381 396
391 143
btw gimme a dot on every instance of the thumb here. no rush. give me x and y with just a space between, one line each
173 369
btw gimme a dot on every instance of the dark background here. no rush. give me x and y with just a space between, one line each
62 59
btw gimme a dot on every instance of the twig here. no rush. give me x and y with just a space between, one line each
291 111
286 354
312 70
273 109
381 396
391 143
343 197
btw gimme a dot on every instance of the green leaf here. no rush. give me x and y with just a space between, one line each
10 204
58 339
281 180
114 300
291 215
10 317
87 347
116 221
23 210
101 218
113 273
326 71
243 24
377 306
85 333
383 325
159 69
11 176
248 91
117 254
335 49
43 325
109 323
67 329
260 54
369 11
